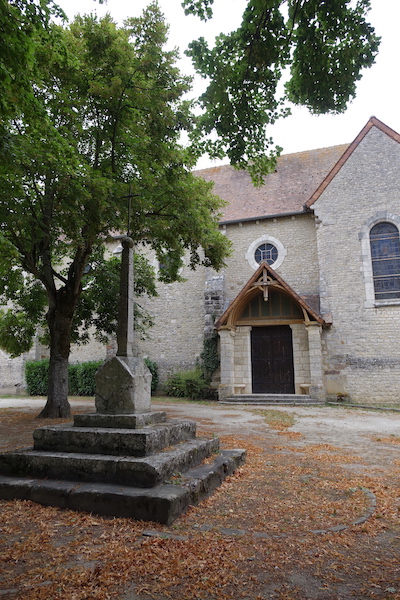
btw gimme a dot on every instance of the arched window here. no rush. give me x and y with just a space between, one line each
385 257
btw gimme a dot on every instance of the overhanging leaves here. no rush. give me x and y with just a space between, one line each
318 48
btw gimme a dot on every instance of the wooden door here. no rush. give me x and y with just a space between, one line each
272 360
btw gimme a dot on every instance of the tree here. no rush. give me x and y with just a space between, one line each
20 23
318 46
96 312
107 126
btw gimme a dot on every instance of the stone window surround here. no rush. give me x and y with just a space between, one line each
265 239
366 268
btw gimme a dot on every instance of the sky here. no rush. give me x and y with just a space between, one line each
378 92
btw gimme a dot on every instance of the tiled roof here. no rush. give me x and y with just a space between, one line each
286 190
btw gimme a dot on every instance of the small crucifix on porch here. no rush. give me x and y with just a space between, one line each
264 284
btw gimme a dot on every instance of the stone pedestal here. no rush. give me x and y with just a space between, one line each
106 465
123 386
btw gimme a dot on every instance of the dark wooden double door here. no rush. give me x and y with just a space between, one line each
272 360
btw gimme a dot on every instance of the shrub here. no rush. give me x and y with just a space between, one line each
209 358
85 376
153 368
37 378
80 377
73 383
189 384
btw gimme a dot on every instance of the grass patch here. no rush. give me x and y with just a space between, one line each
276 419
175 400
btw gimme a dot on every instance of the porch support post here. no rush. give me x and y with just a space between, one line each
227 350
317 389
242 360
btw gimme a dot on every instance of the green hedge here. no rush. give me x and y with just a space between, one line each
80 377
36 375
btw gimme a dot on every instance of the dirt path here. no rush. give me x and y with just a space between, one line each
313 515
351 429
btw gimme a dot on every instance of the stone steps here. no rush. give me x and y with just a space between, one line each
163 503
129 465
146 471
112 441
288 399
120 421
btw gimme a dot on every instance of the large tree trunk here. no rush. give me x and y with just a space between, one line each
59 318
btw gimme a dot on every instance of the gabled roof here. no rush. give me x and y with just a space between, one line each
284 192
298 181
272 275
373 122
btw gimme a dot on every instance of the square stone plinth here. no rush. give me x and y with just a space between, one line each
123 385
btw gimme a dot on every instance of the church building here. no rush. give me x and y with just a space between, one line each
309 300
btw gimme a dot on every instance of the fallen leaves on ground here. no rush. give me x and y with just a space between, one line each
253 539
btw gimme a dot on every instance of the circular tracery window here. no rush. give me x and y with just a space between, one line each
267 253
267 248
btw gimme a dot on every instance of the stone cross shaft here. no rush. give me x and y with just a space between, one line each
125 328
123 384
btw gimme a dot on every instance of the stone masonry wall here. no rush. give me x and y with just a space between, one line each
300 265
176 340
361 349
242 360
185 311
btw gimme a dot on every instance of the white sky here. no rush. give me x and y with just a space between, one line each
378 92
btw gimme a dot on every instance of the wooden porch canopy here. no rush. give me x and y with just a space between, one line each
264 280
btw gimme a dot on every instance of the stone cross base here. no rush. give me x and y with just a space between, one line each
123 386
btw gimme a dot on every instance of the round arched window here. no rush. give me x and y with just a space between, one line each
266 248
267 253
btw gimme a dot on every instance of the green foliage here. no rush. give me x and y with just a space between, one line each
97 309
209 358
21 22
83 378
189 384
16 332
153 368
109 112
37 377
322 46
98 306
80 377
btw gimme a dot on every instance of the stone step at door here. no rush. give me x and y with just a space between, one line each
290 399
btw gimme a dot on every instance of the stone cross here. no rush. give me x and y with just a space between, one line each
123 384
125 327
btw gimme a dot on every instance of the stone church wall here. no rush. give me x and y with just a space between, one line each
301 359
361 349
300 264
176 340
